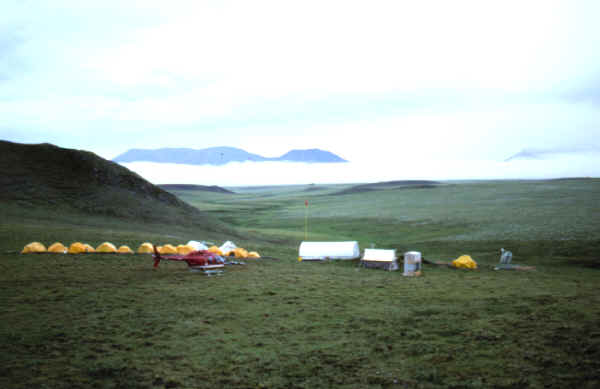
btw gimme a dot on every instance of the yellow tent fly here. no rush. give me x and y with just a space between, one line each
57 248
239 253
34 247
88 248
184 249
106 247
124 250
215 250
253 254
76 248
464 262
167 249
145 248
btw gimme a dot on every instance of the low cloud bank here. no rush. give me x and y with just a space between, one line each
287 173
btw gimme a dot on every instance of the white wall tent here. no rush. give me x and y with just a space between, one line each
380 258
321 251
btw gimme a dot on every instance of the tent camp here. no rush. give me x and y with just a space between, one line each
321 251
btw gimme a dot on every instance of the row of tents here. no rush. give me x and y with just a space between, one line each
227 249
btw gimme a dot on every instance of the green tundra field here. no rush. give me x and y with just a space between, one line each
111 321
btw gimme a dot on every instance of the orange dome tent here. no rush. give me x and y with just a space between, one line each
57 248
215 249
145 248
76 248
34 247
239 253
184 249
124 250
88 248
167 249
106 247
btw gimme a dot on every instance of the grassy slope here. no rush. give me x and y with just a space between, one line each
46 176
107 321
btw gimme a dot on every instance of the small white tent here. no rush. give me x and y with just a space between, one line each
321 251
380 258
197 245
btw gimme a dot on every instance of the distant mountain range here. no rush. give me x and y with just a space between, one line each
537 154
222 156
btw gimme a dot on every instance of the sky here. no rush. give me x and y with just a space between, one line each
427 89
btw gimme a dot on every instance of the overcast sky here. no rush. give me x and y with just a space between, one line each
435 80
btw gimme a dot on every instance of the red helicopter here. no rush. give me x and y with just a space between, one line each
201 260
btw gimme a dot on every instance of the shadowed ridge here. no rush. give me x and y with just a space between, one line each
211 188
44 174
390 185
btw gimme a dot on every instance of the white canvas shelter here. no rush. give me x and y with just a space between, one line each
379 255
380 258
227 247
321 251
197 245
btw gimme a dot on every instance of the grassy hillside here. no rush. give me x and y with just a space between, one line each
460 215
44 175
111 321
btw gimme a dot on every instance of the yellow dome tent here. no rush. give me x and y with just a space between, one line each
124 250
34 247
215 250
184 249
167 249
57 248
106 247
145 248
239 252
76 248
464 262
88 248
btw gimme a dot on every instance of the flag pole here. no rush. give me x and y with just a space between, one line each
305 220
